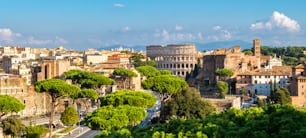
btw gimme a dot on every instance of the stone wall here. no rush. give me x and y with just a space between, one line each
179 59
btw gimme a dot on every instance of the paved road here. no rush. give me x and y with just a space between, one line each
90 134
151 112
79 131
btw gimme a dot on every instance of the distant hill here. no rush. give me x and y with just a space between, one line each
200 46
223 44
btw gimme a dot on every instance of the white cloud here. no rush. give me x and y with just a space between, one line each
7 34
226 34
277 20
8 37
60 41
167 36
219 34
126 29
178 27
200 36
217 27
32 41
118 5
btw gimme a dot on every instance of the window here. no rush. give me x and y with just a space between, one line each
255 81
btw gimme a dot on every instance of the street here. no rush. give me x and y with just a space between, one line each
151 112
90 134
79 132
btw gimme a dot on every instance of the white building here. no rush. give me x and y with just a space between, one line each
95 59
8 61
274 62
259 83
262 81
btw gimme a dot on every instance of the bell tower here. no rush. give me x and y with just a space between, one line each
256 47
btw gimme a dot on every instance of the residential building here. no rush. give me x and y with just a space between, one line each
95 59
9 61
260 83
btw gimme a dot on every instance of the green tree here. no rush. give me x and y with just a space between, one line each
9 104
291 55
88 80
271 121
87 94
13 126
113 118
129 97
147 71
261 102
224 73
248 52
148 63
124 74
243 91
136 59
281 96
187 104
36 131
164 72
70 116
57 89
223 88
165 86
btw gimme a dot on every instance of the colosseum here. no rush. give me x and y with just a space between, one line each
178 58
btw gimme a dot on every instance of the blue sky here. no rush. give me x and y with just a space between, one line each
82 24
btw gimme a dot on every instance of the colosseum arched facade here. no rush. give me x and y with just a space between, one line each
178 58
